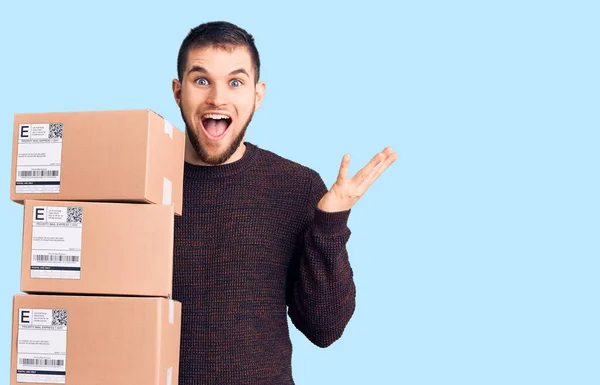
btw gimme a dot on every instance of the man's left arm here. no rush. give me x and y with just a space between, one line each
321 295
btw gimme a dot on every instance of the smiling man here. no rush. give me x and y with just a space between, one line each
218 96
260 236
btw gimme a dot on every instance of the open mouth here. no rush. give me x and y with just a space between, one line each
215 125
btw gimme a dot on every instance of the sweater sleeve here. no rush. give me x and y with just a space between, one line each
321 291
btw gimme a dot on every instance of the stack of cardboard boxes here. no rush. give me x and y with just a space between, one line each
100 191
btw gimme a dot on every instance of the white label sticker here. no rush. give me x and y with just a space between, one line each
42 346
167 192
170 375
56 242
39 156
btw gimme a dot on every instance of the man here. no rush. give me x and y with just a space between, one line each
258 232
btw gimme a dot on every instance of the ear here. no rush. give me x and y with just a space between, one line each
177 91
259 95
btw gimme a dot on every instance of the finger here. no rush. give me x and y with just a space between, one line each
378 171
343 173
387 163
371 175
362 174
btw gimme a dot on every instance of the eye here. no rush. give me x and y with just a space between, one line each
235 83
202 81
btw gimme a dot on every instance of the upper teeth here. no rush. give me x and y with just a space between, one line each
215 116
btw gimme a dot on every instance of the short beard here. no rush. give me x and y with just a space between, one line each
201 151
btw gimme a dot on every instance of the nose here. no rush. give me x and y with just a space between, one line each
217 95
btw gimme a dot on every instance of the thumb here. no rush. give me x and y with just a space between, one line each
343 173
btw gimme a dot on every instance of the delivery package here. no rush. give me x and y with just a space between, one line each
92 340
97 248
121 156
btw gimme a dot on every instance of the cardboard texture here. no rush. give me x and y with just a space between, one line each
91 340
97 248
110 156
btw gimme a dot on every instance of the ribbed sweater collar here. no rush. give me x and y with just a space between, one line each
195 171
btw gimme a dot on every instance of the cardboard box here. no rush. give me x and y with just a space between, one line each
117 156
89 340
97 248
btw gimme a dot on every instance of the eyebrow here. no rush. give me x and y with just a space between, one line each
204 71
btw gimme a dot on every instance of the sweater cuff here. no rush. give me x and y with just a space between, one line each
331 221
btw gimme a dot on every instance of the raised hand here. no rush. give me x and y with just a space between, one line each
346 192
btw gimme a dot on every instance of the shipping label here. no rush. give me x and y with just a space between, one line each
39 156
56 242
42 346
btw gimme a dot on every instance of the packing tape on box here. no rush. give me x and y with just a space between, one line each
167 192
170 376
171 311
168 129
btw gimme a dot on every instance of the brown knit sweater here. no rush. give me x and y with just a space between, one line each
249 243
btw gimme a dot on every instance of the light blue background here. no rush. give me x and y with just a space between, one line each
476 254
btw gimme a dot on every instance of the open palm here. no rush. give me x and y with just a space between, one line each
345 192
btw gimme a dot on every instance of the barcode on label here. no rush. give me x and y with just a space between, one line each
74 214
55 258
39 173
41 362
56 131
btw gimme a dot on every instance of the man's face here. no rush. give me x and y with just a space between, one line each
217 97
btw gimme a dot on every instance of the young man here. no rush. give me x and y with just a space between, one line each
259 233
